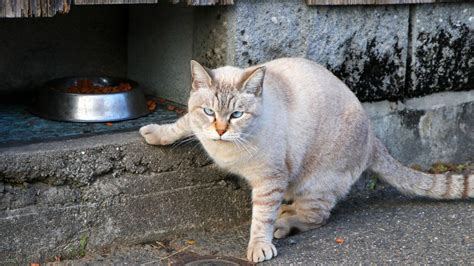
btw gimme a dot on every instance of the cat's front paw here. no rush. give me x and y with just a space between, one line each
260 251
155 135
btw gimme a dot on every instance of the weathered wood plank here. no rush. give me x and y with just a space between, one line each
33 8
209 2
376 2
113 2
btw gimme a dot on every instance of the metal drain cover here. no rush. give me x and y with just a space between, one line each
194 259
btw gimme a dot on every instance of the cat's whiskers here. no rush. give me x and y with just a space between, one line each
183 142
248 143
247 146
238 146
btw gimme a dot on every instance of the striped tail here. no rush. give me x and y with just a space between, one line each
412 182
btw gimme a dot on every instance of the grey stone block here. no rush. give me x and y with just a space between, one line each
439 127
211 37
365 46
267 30
443 48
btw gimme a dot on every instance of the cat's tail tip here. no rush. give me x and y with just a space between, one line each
412 182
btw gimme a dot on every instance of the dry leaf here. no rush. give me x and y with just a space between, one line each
108 124
151 105
190 241
339 240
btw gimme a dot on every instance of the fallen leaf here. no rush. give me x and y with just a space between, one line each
339 240
108 124
35 264
190 241
151 105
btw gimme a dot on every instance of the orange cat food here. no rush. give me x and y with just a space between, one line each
86 86
151 104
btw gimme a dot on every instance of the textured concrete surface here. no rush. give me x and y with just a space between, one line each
365 46
88 41
18 126
267 30
377 226
442 52
164 38
213 28
107 190
380 52
160 49
438 127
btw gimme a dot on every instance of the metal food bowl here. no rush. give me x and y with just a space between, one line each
54 102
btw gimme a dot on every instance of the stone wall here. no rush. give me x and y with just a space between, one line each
381 52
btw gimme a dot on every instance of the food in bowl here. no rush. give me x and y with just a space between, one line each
86 86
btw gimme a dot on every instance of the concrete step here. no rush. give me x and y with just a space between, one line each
376 227
109 190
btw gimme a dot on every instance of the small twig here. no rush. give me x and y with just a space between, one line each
177 252
161 244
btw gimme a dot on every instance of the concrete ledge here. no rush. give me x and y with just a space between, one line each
437 127
81 161
110 190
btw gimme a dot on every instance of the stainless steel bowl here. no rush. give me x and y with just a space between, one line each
53 102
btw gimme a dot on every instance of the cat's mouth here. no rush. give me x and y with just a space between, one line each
222 140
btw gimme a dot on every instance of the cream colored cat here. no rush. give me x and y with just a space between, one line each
294 131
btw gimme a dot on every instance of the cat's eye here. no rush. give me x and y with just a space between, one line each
236 114
208 111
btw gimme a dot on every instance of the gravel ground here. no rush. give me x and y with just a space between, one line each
376 227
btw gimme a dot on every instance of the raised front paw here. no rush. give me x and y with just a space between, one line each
155 135
260 251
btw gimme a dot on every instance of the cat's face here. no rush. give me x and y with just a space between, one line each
225 103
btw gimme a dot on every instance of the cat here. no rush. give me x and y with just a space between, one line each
295 132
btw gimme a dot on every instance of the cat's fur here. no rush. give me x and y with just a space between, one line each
303 137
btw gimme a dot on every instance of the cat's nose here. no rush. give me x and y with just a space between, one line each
220 131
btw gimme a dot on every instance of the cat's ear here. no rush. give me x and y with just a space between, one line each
253 82
200 76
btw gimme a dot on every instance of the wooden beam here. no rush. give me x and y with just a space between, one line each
113 2
375 2
33 8
209 2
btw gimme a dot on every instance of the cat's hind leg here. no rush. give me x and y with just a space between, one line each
304 214
313 201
